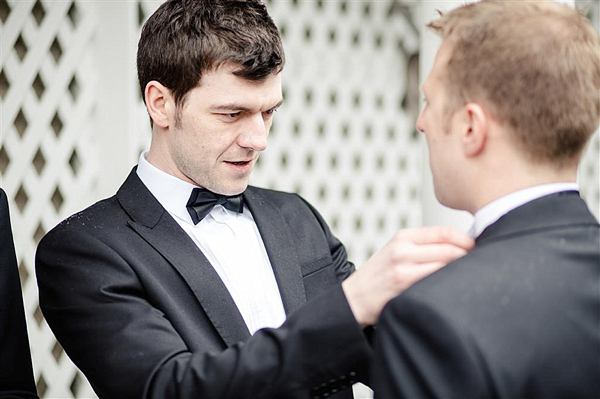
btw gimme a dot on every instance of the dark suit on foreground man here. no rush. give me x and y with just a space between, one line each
511 102
169 291
155 312
16 374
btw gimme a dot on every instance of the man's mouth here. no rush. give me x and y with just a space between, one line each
238 162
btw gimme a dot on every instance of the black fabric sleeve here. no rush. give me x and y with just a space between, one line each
16 373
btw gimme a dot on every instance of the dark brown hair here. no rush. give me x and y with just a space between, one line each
185 38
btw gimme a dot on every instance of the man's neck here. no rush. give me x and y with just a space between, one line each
513 177
159 157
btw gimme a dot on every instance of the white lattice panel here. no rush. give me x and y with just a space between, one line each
47 87
344 138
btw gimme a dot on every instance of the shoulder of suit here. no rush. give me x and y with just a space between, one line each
448 285
103 212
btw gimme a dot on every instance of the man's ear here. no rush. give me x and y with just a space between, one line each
476 129
159 103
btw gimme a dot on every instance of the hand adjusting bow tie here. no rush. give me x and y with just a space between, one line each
202 201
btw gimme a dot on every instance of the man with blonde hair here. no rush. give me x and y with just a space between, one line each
511 102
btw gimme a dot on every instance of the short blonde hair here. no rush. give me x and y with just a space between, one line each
536 67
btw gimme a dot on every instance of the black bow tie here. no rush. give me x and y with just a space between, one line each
202 201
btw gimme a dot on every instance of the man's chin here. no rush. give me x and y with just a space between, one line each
234 189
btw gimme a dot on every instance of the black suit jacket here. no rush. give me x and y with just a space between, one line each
142 313
518 317
16 374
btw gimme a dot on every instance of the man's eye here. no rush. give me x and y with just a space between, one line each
270 111
231 116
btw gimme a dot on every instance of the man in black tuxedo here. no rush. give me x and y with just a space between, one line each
168 290
16 373
511 101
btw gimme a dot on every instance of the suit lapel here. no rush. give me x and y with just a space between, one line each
280 248
153 223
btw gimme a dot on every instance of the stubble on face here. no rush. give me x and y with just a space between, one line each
202 160
221 131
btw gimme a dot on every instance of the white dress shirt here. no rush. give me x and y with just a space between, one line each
493 211
232 244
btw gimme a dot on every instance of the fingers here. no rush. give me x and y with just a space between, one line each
436 235
427 253
411 275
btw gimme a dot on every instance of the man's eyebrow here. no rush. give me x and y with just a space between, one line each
238 107
278 104
229 107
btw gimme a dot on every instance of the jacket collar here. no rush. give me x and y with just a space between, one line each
551 211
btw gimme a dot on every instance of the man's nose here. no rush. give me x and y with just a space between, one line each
420 126
254 134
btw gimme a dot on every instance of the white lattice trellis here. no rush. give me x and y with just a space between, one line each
47 165
343 139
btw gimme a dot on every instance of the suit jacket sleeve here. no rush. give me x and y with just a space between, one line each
16 374
100 312
420 354
344 269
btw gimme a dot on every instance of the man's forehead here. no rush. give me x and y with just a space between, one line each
225 91
442 57
437 73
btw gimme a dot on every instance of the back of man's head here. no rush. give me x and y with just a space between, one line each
535 66
185 38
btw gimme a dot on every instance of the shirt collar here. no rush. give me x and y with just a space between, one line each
493 211
172 192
